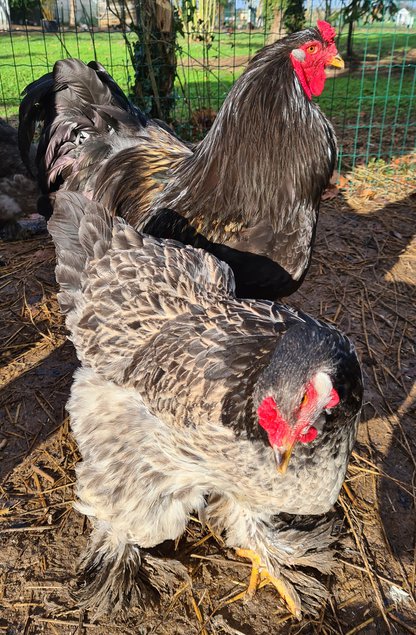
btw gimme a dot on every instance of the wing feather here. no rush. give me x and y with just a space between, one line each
158 315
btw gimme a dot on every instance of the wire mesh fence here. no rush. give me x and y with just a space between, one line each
371 102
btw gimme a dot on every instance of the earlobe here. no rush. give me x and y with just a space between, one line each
334 399
299 55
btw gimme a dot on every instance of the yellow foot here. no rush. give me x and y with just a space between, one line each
259 578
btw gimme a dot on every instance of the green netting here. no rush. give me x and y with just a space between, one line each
371 103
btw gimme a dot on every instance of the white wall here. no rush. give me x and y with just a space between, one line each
4 15
63 10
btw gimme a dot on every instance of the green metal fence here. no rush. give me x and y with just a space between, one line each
371 102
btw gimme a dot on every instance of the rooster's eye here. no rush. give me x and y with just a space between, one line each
312 49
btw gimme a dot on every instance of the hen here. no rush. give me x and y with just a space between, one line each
250 190
191 399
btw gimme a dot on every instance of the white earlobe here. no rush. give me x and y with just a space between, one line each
299 54
323 386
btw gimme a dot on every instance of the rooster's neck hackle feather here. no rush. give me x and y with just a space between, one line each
268 155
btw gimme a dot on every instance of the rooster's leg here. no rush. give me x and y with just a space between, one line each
261 577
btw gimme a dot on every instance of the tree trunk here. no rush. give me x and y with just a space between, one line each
155 58
328 9
72 13
276 25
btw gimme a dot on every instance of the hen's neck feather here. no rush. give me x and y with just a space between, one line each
270 149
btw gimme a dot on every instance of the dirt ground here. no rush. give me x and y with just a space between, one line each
363 279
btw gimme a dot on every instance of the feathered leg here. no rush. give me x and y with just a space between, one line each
274 547
115 574
125 487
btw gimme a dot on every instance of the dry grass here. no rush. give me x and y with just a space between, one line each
362 279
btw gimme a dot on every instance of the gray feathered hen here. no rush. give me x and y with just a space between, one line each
249 192
190 399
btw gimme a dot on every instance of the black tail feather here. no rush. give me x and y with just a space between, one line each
67 103
32 110
117 93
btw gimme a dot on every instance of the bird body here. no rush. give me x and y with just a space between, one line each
191 399
252 186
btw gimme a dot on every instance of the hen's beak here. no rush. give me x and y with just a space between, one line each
336 61
283 455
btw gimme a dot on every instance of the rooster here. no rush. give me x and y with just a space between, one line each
250 190
191 399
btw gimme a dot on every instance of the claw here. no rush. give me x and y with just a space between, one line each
260 578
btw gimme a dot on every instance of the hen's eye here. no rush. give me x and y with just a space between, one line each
312 49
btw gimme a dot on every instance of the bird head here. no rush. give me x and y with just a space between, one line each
312 384
314 50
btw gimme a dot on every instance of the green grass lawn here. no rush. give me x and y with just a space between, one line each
25 57
374 104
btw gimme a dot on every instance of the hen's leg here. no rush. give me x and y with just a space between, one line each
248 533
261 577
277 551
115 574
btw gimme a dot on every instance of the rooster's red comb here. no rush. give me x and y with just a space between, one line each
327 31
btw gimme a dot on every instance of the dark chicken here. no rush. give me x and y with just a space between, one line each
249 192
191 399
18 193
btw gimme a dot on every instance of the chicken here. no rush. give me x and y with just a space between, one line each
18 193
252 185
191 399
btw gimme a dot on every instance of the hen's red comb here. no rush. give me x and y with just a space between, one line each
327 31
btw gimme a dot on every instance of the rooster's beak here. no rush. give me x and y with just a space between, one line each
283 455
336 61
